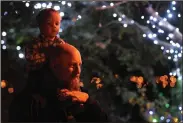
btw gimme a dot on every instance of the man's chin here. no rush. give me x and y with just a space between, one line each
75 84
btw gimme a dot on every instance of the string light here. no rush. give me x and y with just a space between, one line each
125 25
150 35
114 15
170 35
5 13
153 26
69 4
179 15
151 112
160 31
154 19
4 47
162 117
174 74
179 55
132 21
160 23
170 15
144 35
50 4
21 55
123 16
168 11
62 14
177 29
37 6
103 6
155 42
151 18
119 19
148 21
111 4
63 2
16 12
177 44
162 47
154 120
3 33
171 50
142 17
3 83
10 90
57 8
169 57
2 41
164 19
180 108
154 35
43 5
27 4
60 30
173 2
18 47
79 16
173 8
175 59
167 51
167 120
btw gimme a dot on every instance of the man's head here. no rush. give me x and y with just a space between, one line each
65 62
49 22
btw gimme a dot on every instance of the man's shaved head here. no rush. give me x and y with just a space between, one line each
65 62
54 52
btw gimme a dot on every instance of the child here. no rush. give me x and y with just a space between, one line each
49 24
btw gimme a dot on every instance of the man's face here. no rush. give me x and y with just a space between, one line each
51 25
68 69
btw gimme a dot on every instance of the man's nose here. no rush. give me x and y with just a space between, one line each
78 69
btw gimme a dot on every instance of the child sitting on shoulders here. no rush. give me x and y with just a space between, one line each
49 21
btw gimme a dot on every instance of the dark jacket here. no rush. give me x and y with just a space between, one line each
25 108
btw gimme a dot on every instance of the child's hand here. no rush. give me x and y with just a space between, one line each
77 96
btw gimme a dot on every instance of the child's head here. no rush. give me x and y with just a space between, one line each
49 22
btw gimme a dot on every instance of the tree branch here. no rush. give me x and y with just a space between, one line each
145 29
110 7
166 25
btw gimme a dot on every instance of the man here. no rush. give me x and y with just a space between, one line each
60 98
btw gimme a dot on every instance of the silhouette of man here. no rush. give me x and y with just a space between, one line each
58 96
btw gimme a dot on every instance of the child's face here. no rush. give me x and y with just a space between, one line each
51 25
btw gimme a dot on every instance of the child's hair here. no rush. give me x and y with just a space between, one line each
44 14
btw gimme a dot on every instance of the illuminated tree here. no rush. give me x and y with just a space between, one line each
125 47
